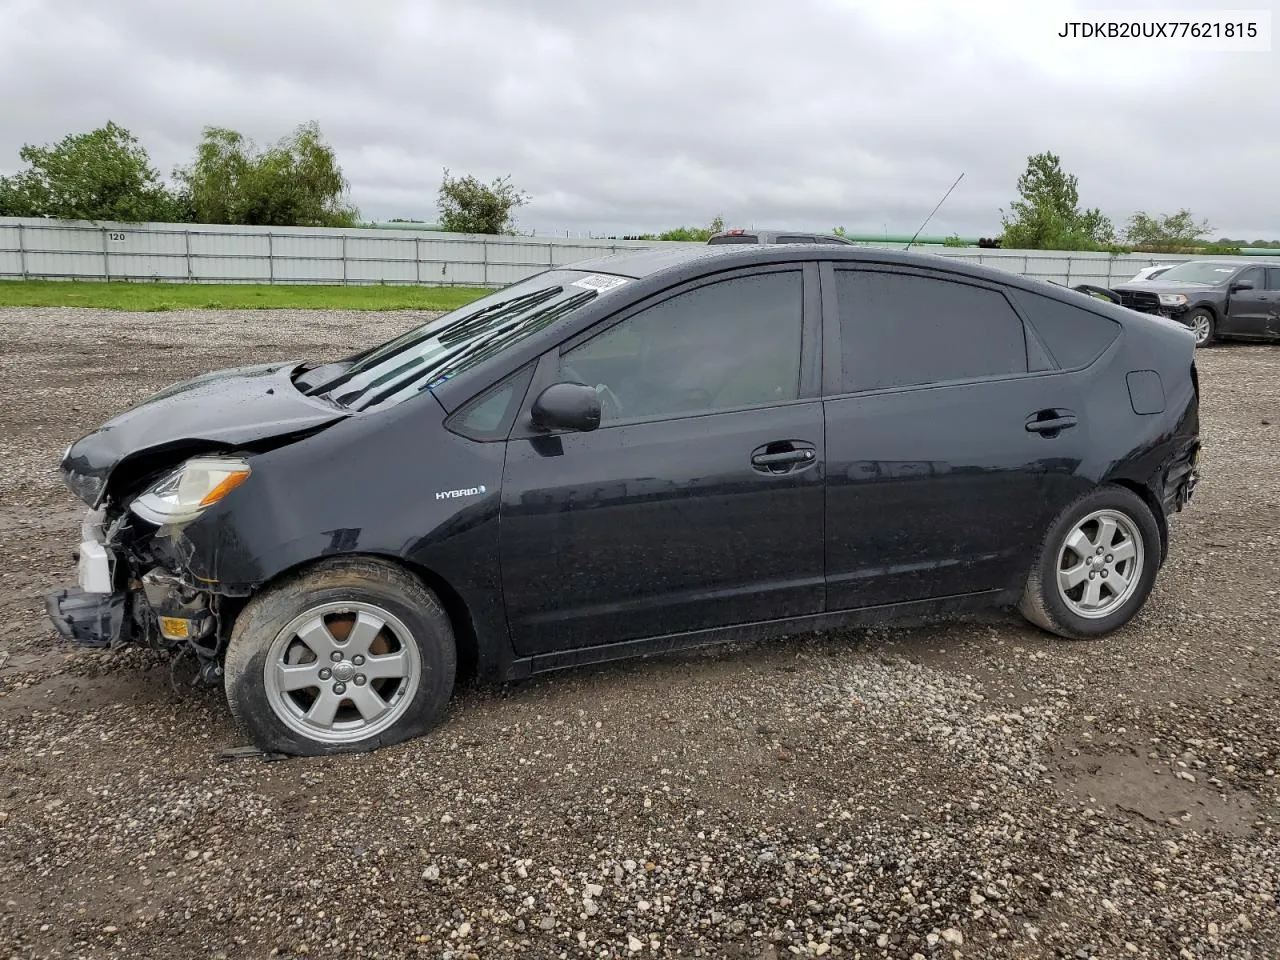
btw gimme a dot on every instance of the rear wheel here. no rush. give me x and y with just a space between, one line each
1096 566
1203 325
351 655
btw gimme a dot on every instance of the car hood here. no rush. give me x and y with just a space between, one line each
1165 286
239 406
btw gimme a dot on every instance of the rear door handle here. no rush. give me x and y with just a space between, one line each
1038 423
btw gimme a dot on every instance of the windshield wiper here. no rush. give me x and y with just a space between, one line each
453 333
477 350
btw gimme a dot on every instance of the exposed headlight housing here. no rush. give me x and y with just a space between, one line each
86 486
188 491
1173 299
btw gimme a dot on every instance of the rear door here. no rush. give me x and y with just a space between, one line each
951 438
1273 301
698 502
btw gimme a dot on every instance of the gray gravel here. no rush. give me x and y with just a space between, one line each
971 789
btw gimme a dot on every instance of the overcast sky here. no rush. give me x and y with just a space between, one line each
633 115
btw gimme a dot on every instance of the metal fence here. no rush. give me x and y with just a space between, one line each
202 253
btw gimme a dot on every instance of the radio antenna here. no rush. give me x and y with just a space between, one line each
935 210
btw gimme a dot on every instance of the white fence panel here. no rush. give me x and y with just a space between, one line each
211 253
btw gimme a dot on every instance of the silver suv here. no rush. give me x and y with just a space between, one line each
776 236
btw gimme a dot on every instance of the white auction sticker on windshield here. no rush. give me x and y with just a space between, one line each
599 282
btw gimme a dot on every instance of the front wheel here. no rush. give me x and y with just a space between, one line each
1203 325
1096 566
349 656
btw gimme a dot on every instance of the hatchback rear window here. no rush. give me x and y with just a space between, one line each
735 238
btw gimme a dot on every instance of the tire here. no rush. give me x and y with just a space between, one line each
351 612
1203 324
1046 602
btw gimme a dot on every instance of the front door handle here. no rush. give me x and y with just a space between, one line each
786 456
1051 421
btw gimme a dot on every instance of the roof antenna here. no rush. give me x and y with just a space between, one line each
935 210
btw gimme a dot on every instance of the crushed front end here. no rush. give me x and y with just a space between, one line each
133 591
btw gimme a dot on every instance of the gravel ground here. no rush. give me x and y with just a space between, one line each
968 789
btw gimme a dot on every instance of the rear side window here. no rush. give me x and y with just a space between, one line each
1075 337
902 330
735 238
1273 278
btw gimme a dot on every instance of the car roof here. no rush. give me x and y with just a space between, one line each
690 260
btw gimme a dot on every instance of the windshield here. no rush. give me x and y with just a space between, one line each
1205 272
457 341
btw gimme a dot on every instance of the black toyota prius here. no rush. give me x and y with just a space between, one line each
640 453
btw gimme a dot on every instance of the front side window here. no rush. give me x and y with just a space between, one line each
1254 276
733 343
904 330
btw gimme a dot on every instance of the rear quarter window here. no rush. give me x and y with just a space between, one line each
1074 336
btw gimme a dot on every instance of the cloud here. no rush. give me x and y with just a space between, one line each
643 116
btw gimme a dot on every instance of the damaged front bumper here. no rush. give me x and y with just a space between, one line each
124 596
93 613
86 619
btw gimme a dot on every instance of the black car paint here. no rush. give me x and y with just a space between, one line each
1245 314
669 536
226 409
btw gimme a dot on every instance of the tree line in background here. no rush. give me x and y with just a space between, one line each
106 174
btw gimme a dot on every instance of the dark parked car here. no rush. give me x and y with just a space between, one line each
636 454
1215 298
776 236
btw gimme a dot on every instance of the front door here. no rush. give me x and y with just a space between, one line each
946 457
698 502
1248 311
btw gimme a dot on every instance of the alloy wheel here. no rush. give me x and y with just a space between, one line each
1100 564
342 672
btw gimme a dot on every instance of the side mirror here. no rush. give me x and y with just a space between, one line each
567 406
1237 287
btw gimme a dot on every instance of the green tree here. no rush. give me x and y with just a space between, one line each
104 174
1168 233
1048 215
693 234
294 182
469 206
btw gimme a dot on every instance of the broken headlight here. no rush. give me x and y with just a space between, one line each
188 491
86 486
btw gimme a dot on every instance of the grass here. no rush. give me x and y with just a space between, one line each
152 297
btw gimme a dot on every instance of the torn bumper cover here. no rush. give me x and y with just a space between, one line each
1181 479
86 619
93 613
